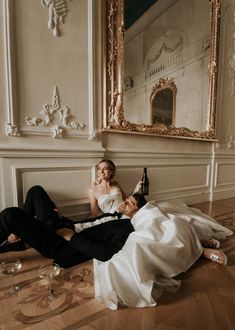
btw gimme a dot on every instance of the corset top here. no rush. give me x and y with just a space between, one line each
111 201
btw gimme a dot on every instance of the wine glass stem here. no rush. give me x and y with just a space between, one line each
49 289
12 283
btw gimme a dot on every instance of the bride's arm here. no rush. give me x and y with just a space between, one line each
137 187
93 203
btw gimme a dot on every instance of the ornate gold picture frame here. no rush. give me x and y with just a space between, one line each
114 112
164 85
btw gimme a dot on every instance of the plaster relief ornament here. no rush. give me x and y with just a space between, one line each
53 113
231 69
229 138
57 12
231 59
12 130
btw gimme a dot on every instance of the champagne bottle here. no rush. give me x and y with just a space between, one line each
145 183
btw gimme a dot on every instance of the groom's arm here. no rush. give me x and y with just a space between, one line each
102 250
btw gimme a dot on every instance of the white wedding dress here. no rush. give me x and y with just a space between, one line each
165 243
107 203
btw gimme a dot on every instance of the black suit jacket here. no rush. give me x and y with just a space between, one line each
102 241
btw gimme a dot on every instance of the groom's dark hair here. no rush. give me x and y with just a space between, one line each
140 199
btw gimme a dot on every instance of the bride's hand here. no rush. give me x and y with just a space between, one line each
138 187
96 182
12 238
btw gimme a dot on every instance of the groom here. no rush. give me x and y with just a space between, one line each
37 222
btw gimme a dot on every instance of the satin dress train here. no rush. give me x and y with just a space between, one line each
165 243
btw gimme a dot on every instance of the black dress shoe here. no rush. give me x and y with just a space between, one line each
17 246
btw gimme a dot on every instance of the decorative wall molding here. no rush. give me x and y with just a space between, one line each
94 135
166 52
224 178
231 56
192 189
144 154
128 83
228 140
229 137
224 173
12 129
49 118
57 11
70 205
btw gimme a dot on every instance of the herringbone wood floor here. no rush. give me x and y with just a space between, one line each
205 300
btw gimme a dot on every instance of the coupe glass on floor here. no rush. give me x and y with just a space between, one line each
11 267
48 272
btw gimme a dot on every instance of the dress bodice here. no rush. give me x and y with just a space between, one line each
111 201
108 203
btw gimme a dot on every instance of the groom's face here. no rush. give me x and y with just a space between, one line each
129 206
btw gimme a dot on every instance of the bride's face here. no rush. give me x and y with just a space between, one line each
105 171
129 206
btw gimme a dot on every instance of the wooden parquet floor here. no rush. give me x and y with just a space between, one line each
206 299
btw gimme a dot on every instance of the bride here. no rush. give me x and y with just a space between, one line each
106 194
168 239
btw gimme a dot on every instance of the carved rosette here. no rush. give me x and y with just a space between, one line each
57 12
49 115
115 77
12 130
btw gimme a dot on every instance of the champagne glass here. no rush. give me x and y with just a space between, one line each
11 267
48 272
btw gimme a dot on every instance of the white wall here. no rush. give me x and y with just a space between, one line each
225 149
182 169
54 74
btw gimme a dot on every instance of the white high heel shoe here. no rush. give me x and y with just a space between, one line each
217 256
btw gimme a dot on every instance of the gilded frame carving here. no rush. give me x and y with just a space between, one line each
165 83
114 119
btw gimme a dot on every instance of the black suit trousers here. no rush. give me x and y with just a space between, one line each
40 207
44 239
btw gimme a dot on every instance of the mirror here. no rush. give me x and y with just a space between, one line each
162 102
161 73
